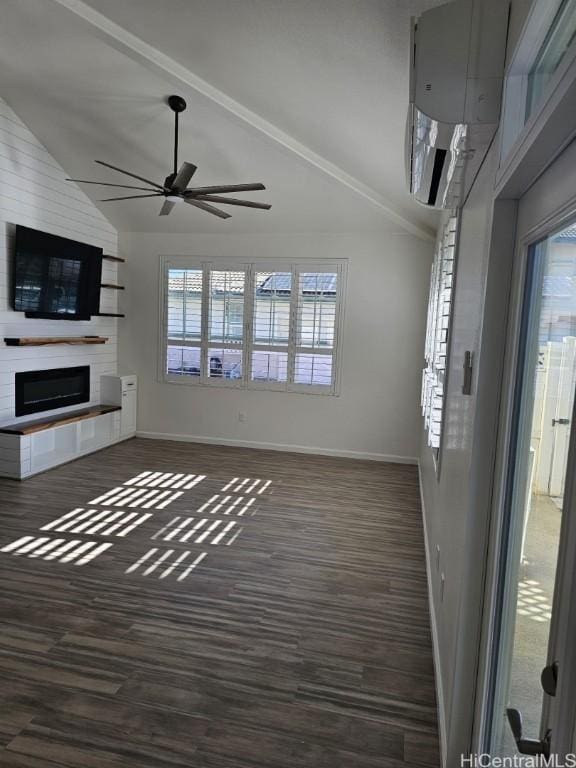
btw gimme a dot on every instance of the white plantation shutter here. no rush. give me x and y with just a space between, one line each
271 326
316 327
437 331
184 322
225 324
259 327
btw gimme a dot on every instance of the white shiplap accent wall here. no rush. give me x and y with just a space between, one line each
33 192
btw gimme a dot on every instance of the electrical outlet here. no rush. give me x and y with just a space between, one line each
437 557
442 585
242 416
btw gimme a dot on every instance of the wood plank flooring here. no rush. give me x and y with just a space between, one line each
293 634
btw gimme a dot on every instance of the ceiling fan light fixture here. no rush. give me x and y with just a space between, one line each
174 198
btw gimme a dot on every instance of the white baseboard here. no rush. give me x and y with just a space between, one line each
287 448
435 641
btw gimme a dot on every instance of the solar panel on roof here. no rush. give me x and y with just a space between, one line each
281 282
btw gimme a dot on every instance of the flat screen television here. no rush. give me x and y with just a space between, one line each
54 277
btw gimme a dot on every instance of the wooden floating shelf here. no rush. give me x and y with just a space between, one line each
111 285
109 314
114 258
42 341
39 425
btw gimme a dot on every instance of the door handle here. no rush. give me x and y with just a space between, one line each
549 678
527 746
560 421
467 368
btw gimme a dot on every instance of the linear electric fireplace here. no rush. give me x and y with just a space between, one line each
54 388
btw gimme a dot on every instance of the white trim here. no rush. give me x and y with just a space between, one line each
440 710
137 49
285 448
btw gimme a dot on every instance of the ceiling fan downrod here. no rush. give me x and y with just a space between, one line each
177 105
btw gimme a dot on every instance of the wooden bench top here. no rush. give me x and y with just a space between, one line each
38 425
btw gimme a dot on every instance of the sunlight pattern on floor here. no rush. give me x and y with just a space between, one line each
165 480
532 601
181 529
150 564
76 551
247 485
104 522
141 497
228 505
111 514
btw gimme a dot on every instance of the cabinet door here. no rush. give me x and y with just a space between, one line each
128 420
95 433
53 446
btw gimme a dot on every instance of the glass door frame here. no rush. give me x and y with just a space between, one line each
559 713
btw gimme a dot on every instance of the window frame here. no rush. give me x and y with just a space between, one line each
248 346
520 132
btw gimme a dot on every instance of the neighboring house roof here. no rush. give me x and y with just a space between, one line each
270 283
234 281
311 283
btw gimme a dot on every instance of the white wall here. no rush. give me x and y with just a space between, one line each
376 414
457 499
446 496
33 193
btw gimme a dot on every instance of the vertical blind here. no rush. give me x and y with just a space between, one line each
437 331
250 327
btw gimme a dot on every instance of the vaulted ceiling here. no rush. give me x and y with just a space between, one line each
307 96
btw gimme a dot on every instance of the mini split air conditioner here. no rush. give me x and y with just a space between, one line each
458 52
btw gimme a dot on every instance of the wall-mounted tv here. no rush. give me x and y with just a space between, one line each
54 277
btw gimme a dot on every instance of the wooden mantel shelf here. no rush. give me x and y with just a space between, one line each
41 341
38 425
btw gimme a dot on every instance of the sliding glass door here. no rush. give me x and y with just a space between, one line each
528 603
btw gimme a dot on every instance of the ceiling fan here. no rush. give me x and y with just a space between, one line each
175 188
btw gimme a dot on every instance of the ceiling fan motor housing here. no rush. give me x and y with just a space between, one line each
169 180
176 103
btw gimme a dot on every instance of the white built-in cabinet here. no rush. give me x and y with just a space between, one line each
23 455
122 391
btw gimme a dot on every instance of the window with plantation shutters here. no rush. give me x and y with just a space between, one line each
263 326
271 327
184 321
437 331
316 325
225 324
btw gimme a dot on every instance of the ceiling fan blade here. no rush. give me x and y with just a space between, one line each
233 201
187 170
132 197
224 188
127 173
166 208
106 184
206 207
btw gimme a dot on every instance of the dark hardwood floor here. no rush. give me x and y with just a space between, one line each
291 631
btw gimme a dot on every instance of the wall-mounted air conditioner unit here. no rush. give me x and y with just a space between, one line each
458 52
